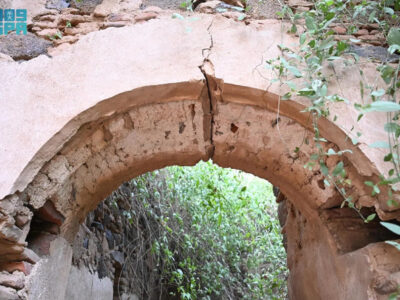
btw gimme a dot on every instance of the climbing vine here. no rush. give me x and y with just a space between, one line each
313 63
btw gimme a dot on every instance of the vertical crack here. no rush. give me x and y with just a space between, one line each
208 95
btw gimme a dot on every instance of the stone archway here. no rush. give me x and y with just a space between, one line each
112 116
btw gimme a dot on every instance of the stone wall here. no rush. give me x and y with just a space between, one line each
107 243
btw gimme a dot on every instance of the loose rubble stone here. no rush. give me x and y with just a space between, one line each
339 30
374 52
296 3
208 7
30 256
48 33
119 17
145 16
21 220
9 231
23 47
70 39
14 280
153 9
87 6
114 24
21 266
82 28
361 32
57 4
4 57
118 257
7 293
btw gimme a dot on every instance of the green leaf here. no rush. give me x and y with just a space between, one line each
392 227
293 29
291 84
310 23
388 157
324 169
387 73
391 127
294 71
241 17
393 296
303 37
177 16
338 169
326 45
378 93
341 46
306 92
370 218
382 106
287 96
375 190
380 144
393 48
388 10
331 152
393 37
332 58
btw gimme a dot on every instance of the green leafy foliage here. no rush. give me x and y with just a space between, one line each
314 60
187 4
215 233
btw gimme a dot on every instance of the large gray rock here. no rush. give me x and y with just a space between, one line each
23 47
85 6
57 4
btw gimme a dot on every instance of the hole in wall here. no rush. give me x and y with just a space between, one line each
234 128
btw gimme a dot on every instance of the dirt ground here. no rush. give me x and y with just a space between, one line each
258 8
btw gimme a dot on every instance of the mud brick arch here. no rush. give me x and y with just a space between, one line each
127 101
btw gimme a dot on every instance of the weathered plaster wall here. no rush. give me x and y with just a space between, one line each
121 102
84 285
49 277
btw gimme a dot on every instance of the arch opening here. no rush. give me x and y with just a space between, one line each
162 223
237 127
